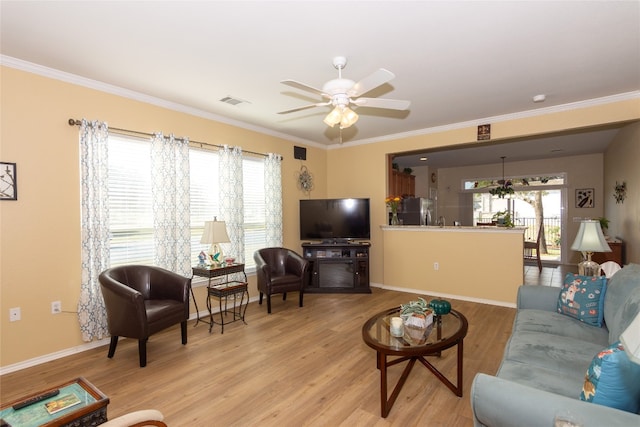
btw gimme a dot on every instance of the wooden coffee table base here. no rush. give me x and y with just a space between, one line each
448 330
386 405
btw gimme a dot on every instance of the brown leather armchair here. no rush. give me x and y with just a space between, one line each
142 300
280 270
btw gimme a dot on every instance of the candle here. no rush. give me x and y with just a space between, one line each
396 328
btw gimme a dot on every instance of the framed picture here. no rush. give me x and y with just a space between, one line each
584 198
8 181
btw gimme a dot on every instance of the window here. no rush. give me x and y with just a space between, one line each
519 183
204 204
131 215
255 231
130 211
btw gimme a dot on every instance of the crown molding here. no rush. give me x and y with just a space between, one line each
137 96
52 73
505 117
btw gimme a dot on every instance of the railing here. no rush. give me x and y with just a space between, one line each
551 230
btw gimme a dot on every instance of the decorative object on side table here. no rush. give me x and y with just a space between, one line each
589 240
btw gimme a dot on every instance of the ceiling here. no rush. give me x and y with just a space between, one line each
456 61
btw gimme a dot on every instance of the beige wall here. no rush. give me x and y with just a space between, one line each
622 163
40 233
465 257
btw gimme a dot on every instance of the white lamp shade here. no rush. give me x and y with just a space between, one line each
590 238
214 232
349 117
630 339
333 118
341 114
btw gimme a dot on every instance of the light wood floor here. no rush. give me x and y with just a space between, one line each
296 367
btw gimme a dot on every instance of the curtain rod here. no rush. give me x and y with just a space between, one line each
74 122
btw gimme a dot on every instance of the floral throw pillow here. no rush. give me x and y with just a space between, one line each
612 380
582 297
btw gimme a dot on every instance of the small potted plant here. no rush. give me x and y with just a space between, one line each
604 224
416 313
503 219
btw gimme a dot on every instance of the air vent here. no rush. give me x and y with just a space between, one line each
233 101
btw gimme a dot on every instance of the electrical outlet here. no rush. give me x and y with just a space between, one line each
56 307
14 314
436 266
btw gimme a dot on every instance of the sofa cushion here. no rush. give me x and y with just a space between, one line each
622 300
548 378
530 320
612 380
555 352
582 297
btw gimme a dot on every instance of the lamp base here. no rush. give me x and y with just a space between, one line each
215 255
588 267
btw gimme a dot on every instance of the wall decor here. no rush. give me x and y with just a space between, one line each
305 180
8 181
584 198
620 192
484 132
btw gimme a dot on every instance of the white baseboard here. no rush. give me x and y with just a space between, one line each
83 347
441 295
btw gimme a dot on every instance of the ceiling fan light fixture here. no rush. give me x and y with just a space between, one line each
349 117
334 117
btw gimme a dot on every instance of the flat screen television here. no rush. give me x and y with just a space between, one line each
334 220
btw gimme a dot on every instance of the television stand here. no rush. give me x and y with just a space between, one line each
337 267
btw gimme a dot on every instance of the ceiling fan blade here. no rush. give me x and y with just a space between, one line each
303 86
391 104
304 107
374 80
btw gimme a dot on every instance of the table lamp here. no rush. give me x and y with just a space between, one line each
215 232
590 239
630 339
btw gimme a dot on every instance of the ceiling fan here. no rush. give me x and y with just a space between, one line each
343 93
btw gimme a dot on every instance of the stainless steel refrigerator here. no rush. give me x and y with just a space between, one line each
416 211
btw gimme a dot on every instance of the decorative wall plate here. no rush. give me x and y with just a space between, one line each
305 180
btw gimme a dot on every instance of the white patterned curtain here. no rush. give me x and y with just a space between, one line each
94 227
231 199
273 199
171 203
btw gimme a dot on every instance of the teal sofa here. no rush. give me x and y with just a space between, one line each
546 358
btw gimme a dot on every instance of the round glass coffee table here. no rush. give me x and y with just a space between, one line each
446 331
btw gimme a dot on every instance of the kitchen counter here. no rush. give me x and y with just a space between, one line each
482 264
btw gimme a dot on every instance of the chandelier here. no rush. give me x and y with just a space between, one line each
505 188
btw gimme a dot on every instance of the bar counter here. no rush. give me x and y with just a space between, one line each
482 264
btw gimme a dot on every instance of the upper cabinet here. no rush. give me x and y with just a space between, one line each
402 184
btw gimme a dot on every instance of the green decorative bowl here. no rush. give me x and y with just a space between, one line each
440 306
